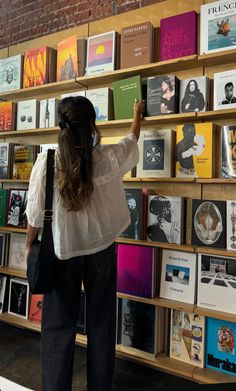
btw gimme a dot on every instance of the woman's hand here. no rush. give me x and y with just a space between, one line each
139 107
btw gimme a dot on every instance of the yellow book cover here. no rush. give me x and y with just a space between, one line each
35 67
23 161
194 150
67 58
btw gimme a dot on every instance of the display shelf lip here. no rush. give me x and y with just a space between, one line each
163 245
11 180
13 272
212 313
224 54
160 180
215 251
216 180
29 132
13 229
20 322
214 114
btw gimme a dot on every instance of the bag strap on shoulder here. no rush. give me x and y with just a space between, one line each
49 185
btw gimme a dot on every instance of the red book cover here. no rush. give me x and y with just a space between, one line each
6 116
35 67
36 305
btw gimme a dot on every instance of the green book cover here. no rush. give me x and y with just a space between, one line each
3 204
124 93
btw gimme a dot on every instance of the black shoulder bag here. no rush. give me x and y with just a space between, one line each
42 256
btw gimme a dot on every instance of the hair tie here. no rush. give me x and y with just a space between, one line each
63 124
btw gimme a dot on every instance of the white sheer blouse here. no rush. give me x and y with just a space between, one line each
97 226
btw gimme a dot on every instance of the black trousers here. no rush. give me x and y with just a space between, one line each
60 315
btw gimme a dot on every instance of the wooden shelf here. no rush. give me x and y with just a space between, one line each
13 272
12 229
169 246
215 314
216 115
160 180
14 180
215 251
20 322
209 376
31 132
216 180
217 58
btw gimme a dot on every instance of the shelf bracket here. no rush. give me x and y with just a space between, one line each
78 82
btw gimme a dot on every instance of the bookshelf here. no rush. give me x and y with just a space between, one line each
217 188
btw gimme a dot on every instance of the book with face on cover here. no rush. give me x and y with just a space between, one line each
35 308
162 95
225 90
11 69
194 94
137 205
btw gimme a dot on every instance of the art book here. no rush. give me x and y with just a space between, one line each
162 95
156 151
48 113
27 114
101 53
16 208
230 224
67 58
226 159
136 201
225 90
17 251
165 219
7 116
39 66
216 281
187 337
35 310
6 160
11 73
195 150
178 36
136 270
217 26
24 157
18 304
220 345
194 94
124 93
178 276
102 100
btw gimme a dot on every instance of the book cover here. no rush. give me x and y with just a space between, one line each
101 53
162 95
102 100
35 71
11 69
217 26
136 267
27 114
194 94
5 160
225 90
156 151
35 309
227 152
195 150
17 251
24 157
178 36
216 281
16 207
209 223
178 276
3 205
3 282
165 219
136 201
220 345
67 58
137 45
124 93
187 337
7 116
48 113
230 225
18 304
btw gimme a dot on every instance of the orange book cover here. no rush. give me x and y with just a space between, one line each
6 116
35 67
67 58
36 305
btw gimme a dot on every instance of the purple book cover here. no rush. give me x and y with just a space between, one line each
135 270
178 36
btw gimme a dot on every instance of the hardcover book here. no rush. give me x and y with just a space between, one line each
24 157
18 304
136 267
102 52
178 36
124 93
156 151
17 251
69 55
3 205
165 219
227 152
162 95
5 160
16 215
35 310
194 94
7 116
11 73
136 201
178 276
137 45
27 114
102 100
225 90
217 26
231 221
187 337
48 113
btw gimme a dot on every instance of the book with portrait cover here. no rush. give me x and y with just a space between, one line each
48 113
178 36
225 90
24 157
178 276
6 150
156 149
27 114
187 337
35 308
102 100
124 93
194 94
11 69
70 58
220 345
162 95
209 223
226 159
231 225
217 26
16 208
39 66
137 45
137 205
136 266
7 116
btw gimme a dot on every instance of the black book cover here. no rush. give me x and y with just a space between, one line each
162 95
135 200
16 210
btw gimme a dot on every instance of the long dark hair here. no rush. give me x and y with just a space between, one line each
77 138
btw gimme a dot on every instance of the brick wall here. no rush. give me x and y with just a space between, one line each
21 20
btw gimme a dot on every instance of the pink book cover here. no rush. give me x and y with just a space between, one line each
178 35
136 270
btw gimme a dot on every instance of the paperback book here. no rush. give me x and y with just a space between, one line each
7 116
39 66
24 157
230 225
35 310
3 283
71 54
18 304
3 205
136 201
11 73
6 160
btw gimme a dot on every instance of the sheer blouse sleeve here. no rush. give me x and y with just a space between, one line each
127 153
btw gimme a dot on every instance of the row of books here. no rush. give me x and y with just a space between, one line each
16 161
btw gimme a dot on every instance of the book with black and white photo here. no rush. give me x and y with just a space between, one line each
16 208
18 304
225 90
226 159
48 113
136 201
27 114
156 151
194 94
3 284
6 151
11 69
162 95
231 225
102 100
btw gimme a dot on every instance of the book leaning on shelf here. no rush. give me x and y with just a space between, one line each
102 100
226 158
4 249
48 113
162 95
35 308
7 116
6 151
27 114
16 207
11 69
24 157
4 293
18 304
71 56
124 93
17 251
137 205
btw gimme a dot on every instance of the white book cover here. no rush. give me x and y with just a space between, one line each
7 385
17 251
101 98
77 93
217 283
27 114
101 51
217 26
165 219
231 224
225 90
3 281
178 276
45 147
187 337
194 94
48 113
18 304
11 73
155 153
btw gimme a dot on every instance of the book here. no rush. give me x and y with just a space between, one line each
136 201
187 337
35 309
178 35
230 225
48 113
209 223
194 94
216 281
225 90
27 114
6 160
220 345
102 100
137 45
124 93
70 58
178 276
16 208
7 116
165 219
3 283
217 26
4 249
195 150
162 95
102 50
17 258
136 266
18 304
24 157
156 151
11 69
3 205
226 158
